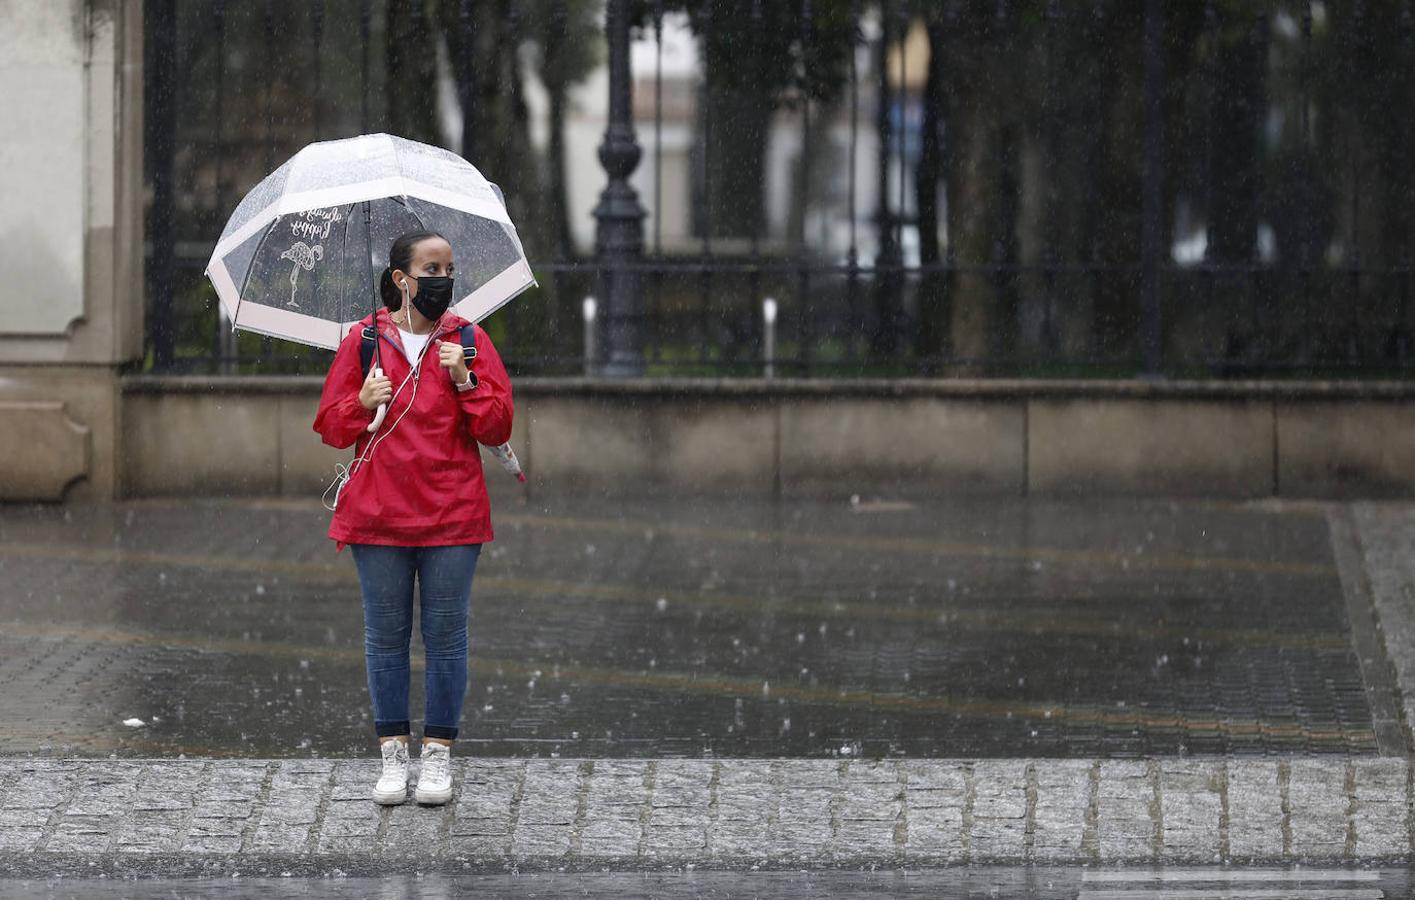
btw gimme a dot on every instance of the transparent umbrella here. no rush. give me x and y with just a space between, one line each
300 257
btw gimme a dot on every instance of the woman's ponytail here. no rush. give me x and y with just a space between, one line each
392 297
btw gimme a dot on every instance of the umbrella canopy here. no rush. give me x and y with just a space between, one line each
300 257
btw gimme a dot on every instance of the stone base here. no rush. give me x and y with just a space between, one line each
58 427
887 440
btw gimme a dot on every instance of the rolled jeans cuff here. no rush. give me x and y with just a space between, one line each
441 732
392 729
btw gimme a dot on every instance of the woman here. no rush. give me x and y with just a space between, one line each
414 507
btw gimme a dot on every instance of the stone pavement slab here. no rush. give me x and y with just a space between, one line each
312 815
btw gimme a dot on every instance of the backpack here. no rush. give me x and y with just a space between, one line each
467 333
504 454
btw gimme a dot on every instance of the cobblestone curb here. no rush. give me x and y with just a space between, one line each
309 815
1387 536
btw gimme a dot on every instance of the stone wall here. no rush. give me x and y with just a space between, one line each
70 241
875 439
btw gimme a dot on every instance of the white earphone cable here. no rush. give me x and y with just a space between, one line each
343 473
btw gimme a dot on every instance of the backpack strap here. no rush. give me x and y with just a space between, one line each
468 335
366 348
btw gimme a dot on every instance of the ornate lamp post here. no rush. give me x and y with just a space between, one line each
619 237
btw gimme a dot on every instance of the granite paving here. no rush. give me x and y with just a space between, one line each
773 813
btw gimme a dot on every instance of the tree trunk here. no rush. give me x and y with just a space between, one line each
736 125
1236 174
932 336
559 211
1113 223
983 190
1377 175
1237 177
888 281
411 73
462 47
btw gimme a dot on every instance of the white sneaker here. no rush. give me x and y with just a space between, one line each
392 787
435 776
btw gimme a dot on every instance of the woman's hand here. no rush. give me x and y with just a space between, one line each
450 356
377 390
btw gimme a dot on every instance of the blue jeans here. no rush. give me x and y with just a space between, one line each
444 578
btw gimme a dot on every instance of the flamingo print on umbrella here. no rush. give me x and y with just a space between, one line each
304 257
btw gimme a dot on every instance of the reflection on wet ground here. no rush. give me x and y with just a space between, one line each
691 626
1017 883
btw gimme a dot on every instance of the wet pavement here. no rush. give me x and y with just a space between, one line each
692 627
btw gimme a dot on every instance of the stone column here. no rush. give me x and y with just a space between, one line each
71 298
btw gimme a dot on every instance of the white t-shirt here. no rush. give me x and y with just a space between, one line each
413 344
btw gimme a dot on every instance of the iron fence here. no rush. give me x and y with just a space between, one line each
1037 188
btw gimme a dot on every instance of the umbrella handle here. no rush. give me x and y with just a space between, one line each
382 407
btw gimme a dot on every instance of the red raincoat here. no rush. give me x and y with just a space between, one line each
422 486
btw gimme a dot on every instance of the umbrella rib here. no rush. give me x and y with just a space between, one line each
408 204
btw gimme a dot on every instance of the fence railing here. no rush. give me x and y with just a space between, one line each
1204 189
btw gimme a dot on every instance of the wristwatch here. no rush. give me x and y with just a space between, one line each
470 383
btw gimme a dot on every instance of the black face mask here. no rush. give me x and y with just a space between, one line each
433 297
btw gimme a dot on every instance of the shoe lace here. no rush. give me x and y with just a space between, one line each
436 763
391 755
